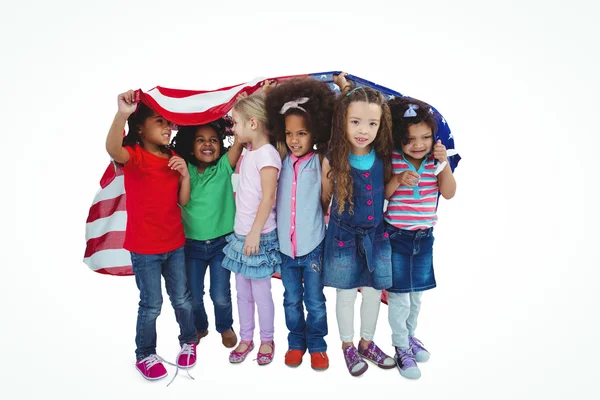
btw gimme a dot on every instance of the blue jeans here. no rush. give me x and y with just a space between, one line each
307 333
199 255
148 269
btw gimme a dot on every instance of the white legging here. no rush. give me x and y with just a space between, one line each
369 311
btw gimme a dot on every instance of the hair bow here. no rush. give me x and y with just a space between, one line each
410 111
293 104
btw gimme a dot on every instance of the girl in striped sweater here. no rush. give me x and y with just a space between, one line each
410 216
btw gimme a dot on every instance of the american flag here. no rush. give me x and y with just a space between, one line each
105 225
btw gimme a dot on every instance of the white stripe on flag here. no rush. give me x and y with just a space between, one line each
113 190
115 222
198 102
108 259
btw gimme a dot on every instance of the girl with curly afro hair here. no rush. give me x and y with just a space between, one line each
357 249
413 194
299 113
208 217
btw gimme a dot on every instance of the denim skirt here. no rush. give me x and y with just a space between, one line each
257 266
412 259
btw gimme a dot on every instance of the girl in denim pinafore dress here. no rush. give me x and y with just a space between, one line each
357 251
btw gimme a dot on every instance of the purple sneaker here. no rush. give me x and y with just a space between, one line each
420 352
356 365
407 365
374 354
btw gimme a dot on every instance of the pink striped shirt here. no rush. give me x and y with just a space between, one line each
413 208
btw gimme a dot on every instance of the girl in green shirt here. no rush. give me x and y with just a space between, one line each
208 217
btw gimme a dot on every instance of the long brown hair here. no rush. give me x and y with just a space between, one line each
340 147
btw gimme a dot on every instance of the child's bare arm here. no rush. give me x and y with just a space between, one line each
268 183
446 181
127 104
326 186
341 81
178 164
235 152
406 178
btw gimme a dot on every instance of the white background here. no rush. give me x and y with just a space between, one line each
515 314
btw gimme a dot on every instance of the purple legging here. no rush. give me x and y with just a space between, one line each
250 291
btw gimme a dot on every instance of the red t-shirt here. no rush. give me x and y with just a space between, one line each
152 199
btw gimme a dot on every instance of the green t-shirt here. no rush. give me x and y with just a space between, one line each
211 210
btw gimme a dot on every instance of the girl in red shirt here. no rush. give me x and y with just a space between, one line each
156 182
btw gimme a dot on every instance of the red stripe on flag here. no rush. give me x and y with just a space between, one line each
112 240
109 175
106 208
116 271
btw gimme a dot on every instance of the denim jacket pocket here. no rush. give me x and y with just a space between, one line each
344 250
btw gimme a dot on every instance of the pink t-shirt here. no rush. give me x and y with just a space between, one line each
249 191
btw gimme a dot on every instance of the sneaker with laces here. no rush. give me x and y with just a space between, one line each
356 365
420 352
151 367
407 365
187 356
374 354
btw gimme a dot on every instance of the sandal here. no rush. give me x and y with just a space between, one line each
239 356
266 358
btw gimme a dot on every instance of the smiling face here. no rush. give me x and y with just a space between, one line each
155 130
362 123
297 137
420 142
206 147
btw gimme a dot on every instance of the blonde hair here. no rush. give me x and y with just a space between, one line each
253 107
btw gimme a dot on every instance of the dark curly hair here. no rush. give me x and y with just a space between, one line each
319 110
183 142
134 121
340 147
400 123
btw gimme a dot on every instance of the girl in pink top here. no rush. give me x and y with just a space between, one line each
252 251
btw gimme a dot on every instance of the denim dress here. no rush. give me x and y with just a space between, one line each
357 248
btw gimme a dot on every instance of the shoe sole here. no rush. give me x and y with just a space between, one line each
320 369
294 365
407 377
360 371
151 379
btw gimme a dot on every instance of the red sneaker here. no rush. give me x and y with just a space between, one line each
187 356
151 367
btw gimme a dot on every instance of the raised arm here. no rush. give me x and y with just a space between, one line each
341 81
235 152
127 103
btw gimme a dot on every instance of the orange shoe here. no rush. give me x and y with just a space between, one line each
293 358
319 361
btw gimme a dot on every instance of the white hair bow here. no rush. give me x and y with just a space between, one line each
410 111
293 104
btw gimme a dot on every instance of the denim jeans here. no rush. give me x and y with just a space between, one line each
200 255
307 333
148 269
